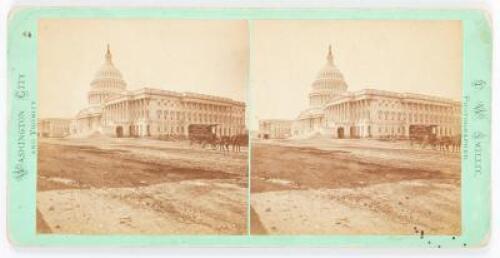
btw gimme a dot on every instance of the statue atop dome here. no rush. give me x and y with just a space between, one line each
108 55
329 57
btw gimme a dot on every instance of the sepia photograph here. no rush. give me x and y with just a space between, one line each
142 126
356 127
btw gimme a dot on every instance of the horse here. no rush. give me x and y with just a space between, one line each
450 143
425 140
224 142
238 140
444 143
456 143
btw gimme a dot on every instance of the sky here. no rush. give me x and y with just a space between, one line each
202 56
404 56
279 59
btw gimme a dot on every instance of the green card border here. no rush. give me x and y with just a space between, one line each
22 115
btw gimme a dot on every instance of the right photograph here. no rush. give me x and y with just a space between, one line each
356 127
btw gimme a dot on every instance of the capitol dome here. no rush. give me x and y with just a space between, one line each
328 83
107 82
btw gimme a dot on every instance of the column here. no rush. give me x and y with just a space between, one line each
127 112
143 105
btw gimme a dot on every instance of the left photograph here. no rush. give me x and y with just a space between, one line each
142 126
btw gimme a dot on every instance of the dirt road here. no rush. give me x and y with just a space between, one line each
353 187
314 186
139 186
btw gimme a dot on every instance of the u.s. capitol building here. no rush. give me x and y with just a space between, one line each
115 111
336 112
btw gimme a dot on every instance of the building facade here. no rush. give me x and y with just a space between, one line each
54 127
336 112
153 112
275 129
115 111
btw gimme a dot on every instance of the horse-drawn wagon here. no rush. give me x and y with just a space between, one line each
205 134
202 134
423 134
426 135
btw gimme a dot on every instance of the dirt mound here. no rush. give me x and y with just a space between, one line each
314 135
97 135
317 135
89 135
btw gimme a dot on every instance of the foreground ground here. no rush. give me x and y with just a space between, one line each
139 186
327 186
310 186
